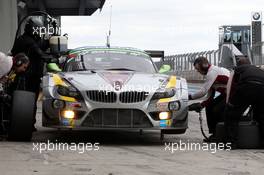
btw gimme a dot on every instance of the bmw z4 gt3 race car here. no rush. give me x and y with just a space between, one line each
114 88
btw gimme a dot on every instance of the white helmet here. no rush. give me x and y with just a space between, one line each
6 63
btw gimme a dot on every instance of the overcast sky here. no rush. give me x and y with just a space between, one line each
175 26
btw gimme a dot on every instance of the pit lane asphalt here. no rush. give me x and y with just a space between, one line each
124 152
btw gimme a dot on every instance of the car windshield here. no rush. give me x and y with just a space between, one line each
113 61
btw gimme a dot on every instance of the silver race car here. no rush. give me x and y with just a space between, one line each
114 88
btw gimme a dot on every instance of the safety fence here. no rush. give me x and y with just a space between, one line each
182 64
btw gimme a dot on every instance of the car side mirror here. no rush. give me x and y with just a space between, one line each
164 68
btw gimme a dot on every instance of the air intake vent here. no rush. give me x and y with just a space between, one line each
132 96
117 118
102 96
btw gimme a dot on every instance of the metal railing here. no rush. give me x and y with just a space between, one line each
182 64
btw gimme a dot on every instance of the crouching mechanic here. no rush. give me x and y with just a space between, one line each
216 79
9 68
246 88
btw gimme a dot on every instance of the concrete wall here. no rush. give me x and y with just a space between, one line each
8 24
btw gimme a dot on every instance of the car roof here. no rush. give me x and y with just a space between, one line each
102 49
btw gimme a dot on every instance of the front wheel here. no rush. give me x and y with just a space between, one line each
22 115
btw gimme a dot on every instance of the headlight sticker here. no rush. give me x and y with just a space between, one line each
59 82
68 122
172 82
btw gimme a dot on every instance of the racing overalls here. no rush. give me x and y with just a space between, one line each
215 81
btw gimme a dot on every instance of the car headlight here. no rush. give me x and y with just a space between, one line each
68 91
65 88
164 115
69 114
174 106
58 104
166 94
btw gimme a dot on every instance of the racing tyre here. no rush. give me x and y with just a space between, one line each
22 115
248 134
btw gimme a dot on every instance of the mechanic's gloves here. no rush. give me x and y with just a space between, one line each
53 67
62 59
197 107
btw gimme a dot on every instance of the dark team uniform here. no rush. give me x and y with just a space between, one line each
32 77
247 88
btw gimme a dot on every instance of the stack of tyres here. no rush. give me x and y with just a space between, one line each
248 134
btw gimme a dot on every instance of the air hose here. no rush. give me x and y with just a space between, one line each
201 126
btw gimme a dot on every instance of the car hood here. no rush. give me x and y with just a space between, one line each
116 80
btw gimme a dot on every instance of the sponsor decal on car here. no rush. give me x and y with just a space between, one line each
165 123
68 122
